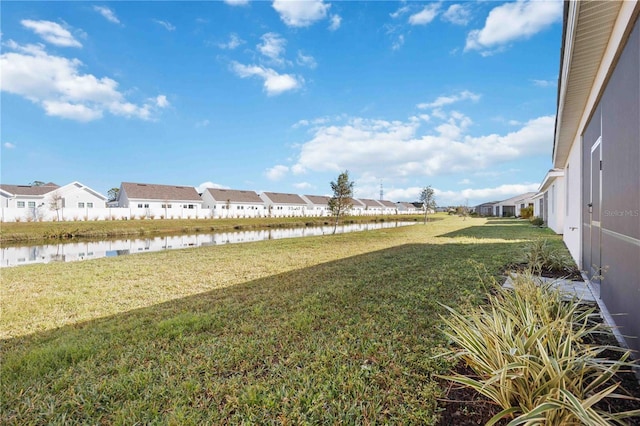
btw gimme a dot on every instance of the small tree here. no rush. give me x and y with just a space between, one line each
36 183
341 201
55 203
428 200
113 194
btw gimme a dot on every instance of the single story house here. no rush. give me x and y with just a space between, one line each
233 203
512 206
317 205
486 209
597 146
371 206
388 207
74 201
407 208
284 205
160 201
548 203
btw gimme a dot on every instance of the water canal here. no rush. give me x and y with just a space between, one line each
77 251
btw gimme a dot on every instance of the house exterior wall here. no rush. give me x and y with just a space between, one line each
602 201
556 207
231 209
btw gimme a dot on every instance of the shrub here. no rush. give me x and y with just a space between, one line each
541 256
537 221
526 212
527 350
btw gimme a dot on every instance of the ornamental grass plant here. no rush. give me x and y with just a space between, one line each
530 351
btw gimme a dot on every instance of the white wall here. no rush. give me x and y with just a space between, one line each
573 210
556 210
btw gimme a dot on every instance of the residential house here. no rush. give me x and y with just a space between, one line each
233 203
74 201
145 200
371 207
511 206
407 208
317 205
597 146
358 208
486 209
548 203
388 207
284 205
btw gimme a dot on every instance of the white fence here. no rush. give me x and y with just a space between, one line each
42 214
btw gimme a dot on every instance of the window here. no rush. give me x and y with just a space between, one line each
168 206
140 206
188 206
80 205
32 204
90 205
146 206
21 204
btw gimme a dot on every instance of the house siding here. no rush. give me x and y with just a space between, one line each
611 227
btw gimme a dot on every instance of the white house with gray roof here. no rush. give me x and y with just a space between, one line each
74 201
145 200
317 205
371 207
284 205
233 203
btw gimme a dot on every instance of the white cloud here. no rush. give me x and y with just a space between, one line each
107 13
336 21
9 145
237 2
274 83
513 21
464 182
204 185
167 25
426 15
276 172
306 60
401 11
52 32
203 123
234 42
273 47
457 14
448 100
396 149
56 84
301 13
303 185
161 101
398 42
544 83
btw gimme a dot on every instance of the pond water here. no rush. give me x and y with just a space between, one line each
75 251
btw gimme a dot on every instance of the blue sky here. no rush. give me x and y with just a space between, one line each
282 95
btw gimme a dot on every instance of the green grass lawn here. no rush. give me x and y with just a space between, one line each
338 329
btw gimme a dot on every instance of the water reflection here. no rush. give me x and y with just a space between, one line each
68 252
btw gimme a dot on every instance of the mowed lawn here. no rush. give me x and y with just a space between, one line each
339 329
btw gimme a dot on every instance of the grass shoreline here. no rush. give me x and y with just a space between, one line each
338 329
11 233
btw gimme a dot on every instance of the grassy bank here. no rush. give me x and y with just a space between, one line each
12 232
333 329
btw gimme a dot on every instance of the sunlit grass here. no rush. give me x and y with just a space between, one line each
322 330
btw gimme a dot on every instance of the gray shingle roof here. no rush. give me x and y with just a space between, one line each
321 200
370 202
30 190
234 195
281 198
147 191
387 203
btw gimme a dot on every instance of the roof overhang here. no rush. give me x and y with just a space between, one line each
588 26
551 176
